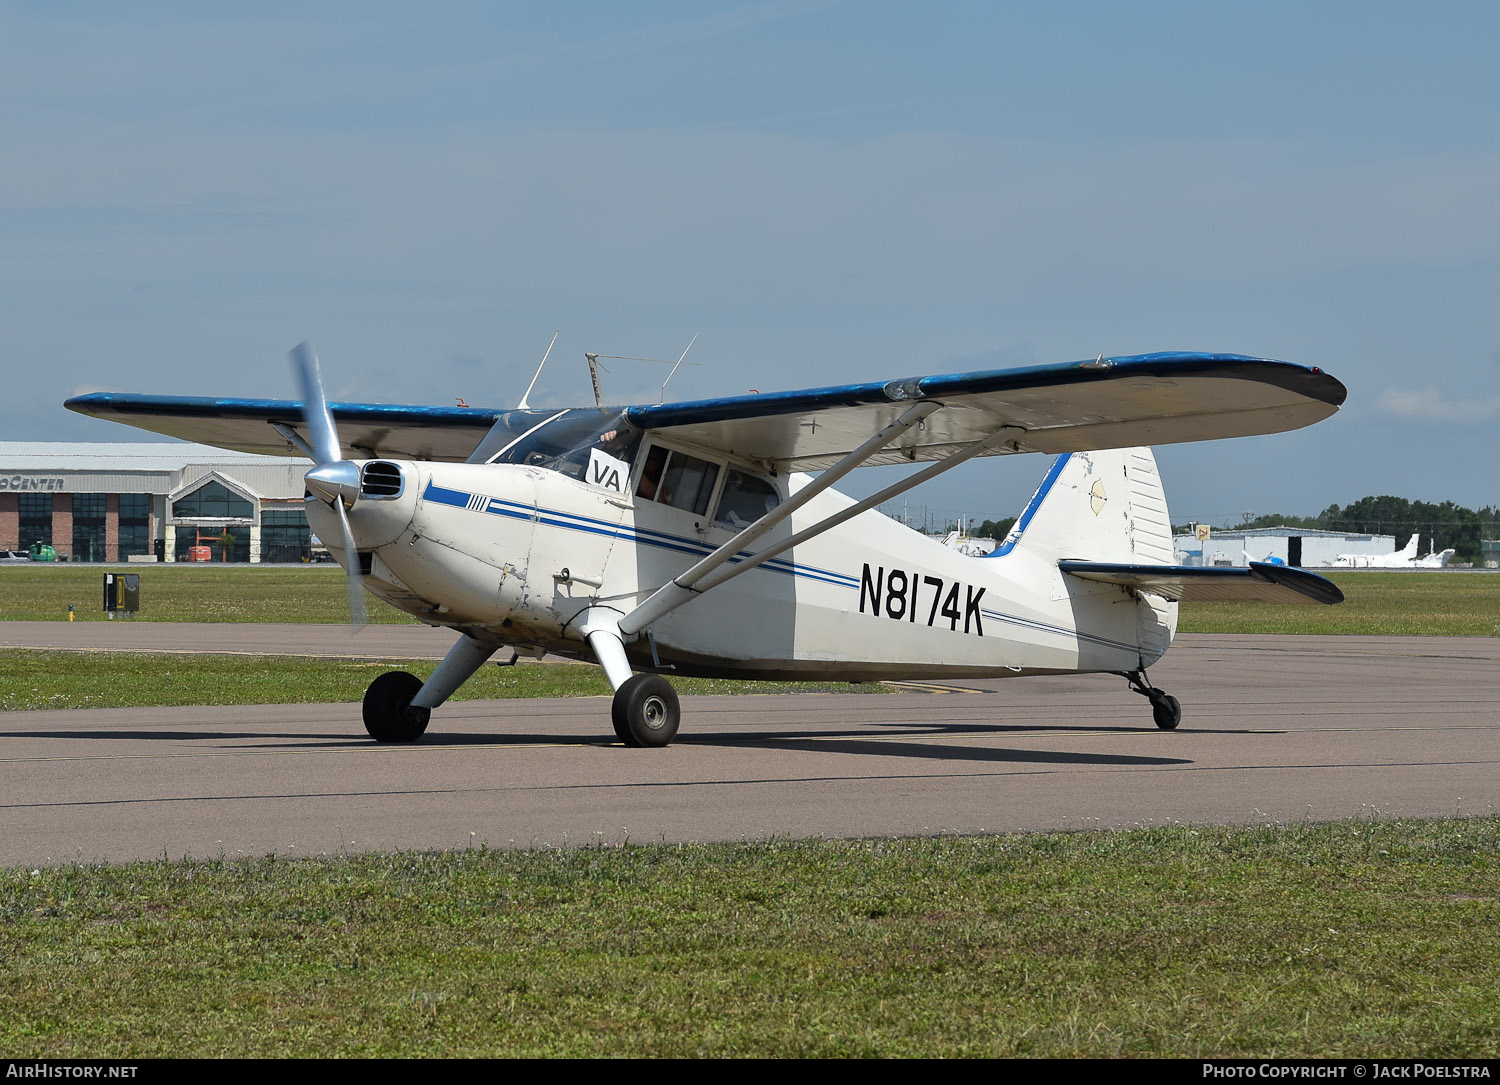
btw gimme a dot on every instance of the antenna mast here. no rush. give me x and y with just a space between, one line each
594 376
523 405
663 397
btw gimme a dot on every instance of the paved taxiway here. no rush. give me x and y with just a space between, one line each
1275 728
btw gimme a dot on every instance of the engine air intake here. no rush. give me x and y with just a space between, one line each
380 479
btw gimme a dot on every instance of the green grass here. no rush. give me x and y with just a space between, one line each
1386 603
1347 940
1375 604
37 678
188 593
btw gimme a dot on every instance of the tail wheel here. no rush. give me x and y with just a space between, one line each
1166 710
645 711
389 716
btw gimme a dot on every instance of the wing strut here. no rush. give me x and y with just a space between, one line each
714 569
295 440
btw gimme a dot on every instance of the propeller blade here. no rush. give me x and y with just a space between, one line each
357 615
333 478
321 434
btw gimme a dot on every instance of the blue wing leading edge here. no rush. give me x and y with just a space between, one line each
1146 399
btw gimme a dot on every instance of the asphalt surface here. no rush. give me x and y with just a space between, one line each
371 642
1274 729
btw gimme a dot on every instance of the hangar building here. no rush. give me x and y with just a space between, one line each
1305 547
151 502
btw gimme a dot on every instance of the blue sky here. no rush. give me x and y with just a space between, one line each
821 191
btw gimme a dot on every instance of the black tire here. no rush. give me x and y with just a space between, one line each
1166 711
622 732
389 716
645 711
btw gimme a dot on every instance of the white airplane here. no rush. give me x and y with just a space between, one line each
1405 558
690 537
1437 560
960 540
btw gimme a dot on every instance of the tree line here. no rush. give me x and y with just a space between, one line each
993 529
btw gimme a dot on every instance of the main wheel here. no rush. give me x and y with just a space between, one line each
1166 711
389 716
645 711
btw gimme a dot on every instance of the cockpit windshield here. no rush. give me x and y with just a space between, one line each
583 444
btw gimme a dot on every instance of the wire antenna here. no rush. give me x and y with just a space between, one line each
594 367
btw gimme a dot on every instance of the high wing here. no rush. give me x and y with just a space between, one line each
1259 583
1146 399
397 431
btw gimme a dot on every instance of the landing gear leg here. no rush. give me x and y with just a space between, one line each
645 711
1166 710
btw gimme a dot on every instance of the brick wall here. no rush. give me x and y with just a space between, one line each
10 521
62 524
112 527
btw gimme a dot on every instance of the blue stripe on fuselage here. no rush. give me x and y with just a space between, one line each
495 506
645 536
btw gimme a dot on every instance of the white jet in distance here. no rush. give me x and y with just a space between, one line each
1405 558
694 538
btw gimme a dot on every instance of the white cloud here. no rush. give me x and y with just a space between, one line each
1428 405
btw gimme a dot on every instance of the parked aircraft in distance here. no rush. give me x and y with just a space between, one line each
693 538
1436 560
1405 558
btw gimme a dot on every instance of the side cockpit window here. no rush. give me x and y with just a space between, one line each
674 478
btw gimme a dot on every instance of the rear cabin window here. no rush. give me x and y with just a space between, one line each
745 500
674 478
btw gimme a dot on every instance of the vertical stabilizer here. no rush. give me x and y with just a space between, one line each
1105 506
1097 506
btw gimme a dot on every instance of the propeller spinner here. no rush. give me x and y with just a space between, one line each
333 479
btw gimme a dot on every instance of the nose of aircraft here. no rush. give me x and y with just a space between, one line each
386 493
336 481
378 498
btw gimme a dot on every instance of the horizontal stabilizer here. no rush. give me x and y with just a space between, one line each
1260 583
